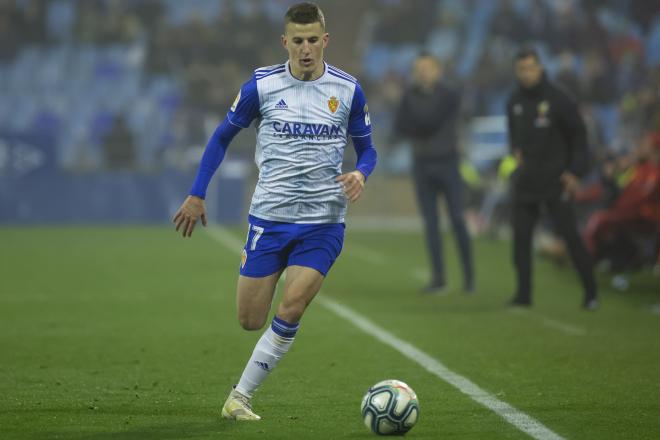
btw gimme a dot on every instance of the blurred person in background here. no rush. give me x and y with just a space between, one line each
119 146
548 139
427 117
613 234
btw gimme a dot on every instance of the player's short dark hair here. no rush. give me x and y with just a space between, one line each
304 13
527 52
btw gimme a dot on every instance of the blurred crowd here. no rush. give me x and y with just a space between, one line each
138 84
606 54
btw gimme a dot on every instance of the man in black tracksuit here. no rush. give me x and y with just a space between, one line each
548 138
427 117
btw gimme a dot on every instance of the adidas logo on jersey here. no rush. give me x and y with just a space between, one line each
281 104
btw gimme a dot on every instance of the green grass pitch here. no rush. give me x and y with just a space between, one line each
130 333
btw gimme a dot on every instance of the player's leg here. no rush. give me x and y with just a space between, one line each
254 297
264 258
454 190
310 258
427 199
302 284
563 214
524 217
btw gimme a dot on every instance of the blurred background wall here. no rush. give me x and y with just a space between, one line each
106 105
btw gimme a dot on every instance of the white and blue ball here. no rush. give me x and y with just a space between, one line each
390 408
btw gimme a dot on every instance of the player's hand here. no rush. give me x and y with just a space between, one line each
571 183
517 154
192 210
352 183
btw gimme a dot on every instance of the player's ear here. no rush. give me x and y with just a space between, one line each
326 39
284 41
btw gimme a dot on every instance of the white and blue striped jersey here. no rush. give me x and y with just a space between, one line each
302 131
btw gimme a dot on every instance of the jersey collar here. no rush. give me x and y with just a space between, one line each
288 71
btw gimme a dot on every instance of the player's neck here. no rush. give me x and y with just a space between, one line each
307 76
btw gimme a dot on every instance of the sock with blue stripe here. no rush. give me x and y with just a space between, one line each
272 345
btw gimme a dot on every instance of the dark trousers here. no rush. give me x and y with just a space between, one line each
433 178
562 213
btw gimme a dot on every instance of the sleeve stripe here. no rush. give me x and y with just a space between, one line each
269 68
361 136
341 72
330 72
234 123
262 76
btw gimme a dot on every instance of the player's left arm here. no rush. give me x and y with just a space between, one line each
359 128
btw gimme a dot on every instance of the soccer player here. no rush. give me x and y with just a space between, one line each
303 110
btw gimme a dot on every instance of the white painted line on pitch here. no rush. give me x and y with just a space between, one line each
561 326
364 253
517 418
552 323
225 238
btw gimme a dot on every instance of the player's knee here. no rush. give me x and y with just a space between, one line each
291 312
251 322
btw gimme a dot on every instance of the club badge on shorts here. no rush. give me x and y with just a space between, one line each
243 258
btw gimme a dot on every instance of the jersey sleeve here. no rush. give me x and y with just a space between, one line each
359 122
246 105
213 156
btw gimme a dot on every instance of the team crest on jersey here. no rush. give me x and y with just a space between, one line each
542 120
235 104
333 104
243 258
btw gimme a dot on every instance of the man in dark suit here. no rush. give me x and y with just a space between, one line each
548 138
427 118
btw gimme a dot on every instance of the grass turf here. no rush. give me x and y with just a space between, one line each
130 333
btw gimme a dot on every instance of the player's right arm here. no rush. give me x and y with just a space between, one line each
241 114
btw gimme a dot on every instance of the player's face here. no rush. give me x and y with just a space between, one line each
305 44
529 72
427 72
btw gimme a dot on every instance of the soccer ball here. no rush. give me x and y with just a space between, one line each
390 407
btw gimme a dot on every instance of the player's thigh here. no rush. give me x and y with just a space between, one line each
264 258
563 216
454 191
301 286
524 216
254 296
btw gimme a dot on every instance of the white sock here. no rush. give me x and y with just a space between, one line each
272 345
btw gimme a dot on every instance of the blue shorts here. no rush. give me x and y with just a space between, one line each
272 246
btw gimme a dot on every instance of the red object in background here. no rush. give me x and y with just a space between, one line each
641 193
591 193
638 207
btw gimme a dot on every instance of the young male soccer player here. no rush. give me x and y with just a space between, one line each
304 111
